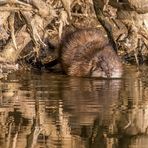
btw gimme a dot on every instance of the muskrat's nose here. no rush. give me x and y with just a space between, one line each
117 73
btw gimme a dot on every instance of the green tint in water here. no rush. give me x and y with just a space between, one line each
44 110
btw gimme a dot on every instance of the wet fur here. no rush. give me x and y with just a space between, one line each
85 50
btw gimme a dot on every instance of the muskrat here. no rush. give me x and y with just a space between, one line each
88 53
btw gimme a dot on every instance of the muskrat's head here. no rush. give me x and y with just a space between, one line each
107 64
103 64
115 72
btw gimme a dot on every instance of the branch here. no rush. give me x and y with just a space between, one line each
107 26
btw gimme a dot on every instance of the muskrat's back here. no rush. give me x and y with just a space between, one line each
87 53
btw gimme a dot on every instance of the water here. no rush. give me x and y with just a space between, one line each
46 110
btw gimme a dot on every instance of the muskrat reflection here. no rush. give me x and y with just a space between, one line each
86 99
128 125
101 113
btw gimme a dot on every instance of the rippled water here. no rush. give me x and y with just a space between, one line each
45 110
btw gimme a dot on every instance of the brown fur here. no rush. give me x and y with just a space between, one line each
87 50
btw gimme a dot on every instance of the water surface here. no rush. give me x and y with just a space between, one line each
46 110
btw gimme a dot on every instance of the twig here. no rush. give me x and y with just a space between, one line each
11 26
13 8
105 24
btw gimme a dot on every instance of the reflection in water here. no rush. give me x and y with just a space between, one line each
55 111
